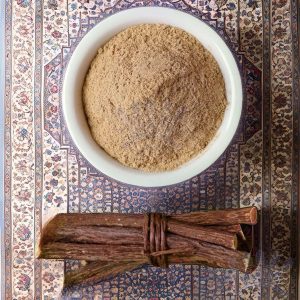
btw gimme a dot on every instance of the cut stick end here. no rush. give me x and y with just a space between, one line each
253 215
38 252
235 242
250 264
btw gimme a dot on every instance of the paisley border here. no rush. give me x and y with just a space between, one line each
266 172
7 149
2 88
38 125
295 223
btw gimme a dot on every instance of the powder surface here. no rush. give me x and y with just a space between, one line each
154 97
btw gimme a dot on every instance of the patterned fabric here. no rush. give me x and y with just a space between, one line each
45 174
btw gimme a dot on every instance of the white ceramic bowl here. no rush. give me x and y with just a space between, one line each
79 64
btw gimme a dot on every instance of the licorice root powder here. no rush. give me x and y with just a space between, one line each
154 97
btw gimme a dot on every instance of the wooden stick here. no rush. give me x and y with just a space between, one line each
241 263
83 232
211 254
91 252
247 215
99 270
203 233
94 235
100 219
235 228
206 252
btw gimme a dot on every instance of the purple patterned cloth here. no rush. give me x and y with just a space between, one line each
44 174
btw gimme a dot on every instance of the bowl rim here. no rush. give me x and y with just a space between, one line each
93 153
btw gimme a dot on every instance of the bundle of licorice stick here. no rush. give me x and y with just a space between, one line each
110 244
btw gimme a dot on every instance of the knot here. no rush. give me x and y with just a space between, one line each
155 242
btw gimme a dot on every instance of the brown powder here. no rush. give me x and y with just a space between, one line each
154 97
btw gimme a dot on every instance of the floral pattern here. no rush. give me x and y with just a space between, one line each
251 31
55 33
282 143
22 153
55 178
45 174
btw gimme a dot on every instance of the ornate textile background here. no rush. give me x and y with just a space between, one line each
44 174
